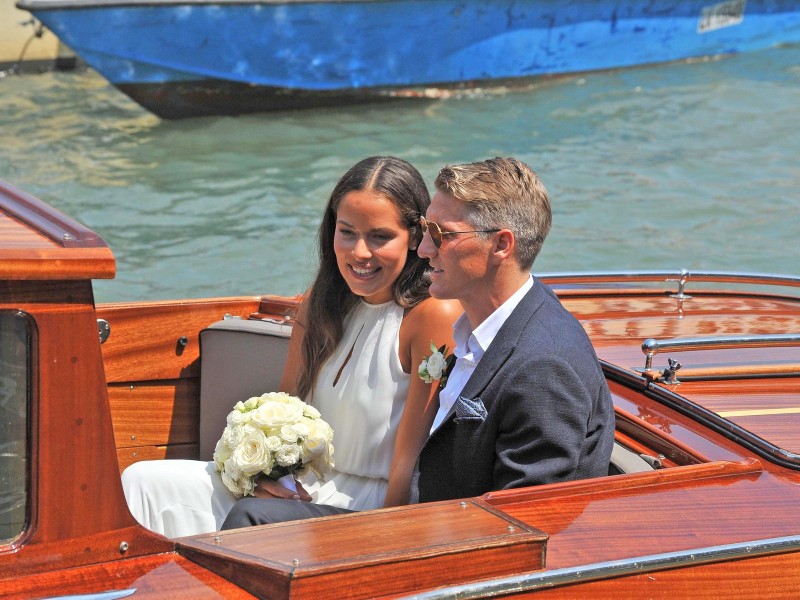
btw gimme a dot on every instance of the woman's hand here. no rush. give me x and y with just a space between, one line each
270 488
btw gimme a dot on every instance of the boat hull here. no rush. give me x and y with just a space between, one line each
185 59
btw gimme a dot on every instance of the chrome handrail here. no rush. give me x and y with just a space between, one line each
528 582
682 277
651 347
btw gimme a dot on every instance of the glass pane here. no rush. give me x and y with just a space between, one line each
14 389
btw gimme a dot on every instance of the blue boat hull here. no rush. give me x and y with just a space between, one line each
185 59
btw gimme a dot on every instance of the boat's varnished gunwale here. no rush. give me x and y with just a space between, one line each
39 242
156 576
50 223
671 510
785 549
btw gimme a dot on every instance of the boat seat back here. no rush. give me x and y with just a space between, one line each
624 461
239 358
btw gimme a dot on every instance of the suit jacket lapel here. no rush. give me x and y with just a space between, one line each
504 342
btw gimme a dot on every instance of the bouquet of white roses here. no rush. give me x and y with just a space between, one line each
275 434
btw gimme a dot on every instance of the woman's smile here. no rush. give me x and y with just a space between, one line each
364 272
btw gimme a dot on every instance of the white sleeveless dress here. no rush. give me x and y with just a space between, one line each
360 391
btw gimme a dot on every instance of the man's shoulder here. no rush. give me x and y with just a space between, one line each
541 305
543 321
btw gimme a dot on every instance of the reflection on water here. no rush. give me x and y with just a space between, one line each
682 165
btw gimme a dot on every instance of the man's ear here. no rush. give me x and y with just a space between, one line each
504 245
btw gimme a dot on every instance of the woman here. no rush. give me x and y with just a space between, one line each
364 326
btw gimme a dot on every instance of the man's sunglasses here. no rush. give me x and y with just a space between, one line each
437 233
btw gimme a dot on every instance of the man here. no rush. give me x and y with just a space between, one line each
526 402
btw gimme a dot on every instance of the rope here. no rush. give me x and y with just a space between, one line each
37 33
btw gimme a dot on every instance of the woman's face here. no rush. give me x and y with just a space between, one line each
371 244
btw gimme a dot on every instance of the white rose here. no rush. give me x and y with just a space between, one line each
237 417
289 434
225 438
288 455
247 485
318 446
314 446
231 469
422 371
311 412
232 435
436 365
231 483
273 415
236 481
320 429
251 455
222 452
280 397
273 443
302 428
251 403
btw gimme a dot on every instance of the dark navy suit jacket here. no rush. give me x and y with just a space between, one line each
536 410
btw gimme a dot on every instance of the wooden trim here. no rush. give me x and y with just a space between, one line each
145 343
676 476
278 308
39 242
161 575
51 223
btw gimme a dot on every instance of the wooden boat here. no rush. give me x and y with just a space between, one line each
701 500
182 58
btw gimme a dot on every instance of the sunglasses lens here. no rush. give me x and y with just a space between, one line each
436 235
434 231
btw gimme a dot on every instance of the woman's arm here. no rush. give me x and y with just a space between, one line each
430 321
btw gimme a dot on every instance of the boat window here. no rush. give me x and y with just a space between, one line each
15 388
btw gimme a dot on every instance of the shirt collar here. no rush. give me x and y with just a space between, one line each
477 341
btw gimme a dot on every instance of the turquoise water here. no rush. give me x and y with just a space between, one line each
690 165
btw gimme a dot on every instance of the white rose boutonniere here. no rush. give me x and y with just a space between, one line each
276 435
436 366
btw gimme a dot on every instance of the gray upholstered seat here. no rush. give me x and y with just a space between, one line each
239 359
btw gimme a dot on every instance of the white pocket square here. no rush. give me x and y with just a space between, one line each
470 408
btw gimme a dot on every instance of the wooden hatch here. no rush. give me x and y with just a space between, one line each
379 553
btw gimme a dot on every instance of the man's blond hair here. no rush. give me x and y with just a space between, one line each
502 193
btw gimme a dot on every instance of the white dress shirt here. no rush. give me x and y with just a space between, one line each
470 347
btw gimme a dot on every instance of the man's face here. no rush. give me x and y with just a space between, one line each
461 264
